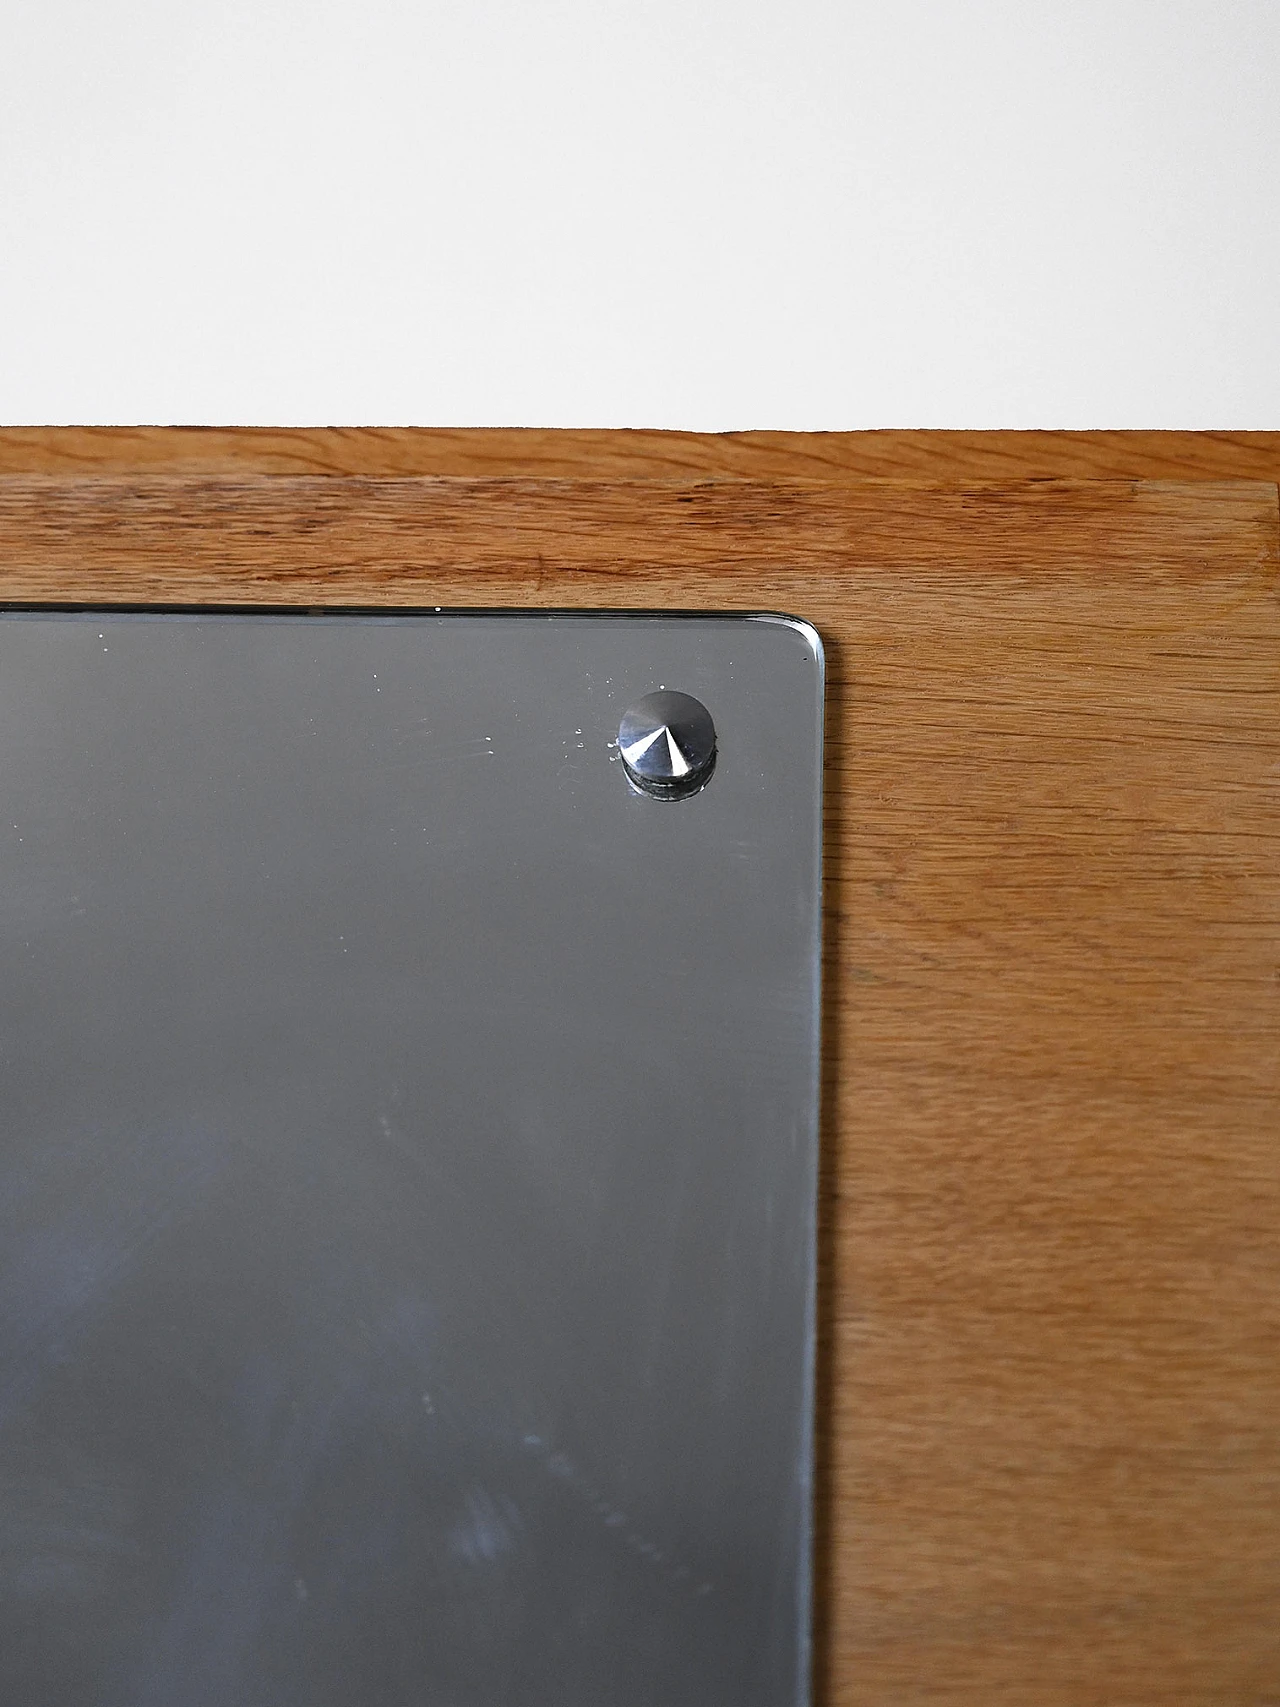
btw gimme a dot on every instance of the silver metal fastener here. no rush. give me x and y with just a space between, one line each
668 745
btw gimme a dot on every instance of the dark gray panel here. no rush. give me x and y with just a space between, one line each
407 1164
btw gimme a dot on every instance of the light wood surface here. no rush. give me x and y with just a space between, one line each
1050 1385
604 455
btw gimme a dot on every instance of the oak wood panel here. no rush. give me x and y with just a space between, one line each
1051 1258
935 457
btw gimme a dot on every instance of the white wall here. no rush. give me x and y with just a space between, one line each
696 213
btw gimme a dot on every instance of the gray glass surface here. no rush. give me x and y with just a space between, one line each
408 1145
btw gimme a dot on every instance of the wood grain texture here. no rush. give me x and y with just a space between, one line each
934 457
1051 1256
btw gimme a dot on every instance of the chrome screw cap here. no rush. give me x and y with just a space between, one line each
668 745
